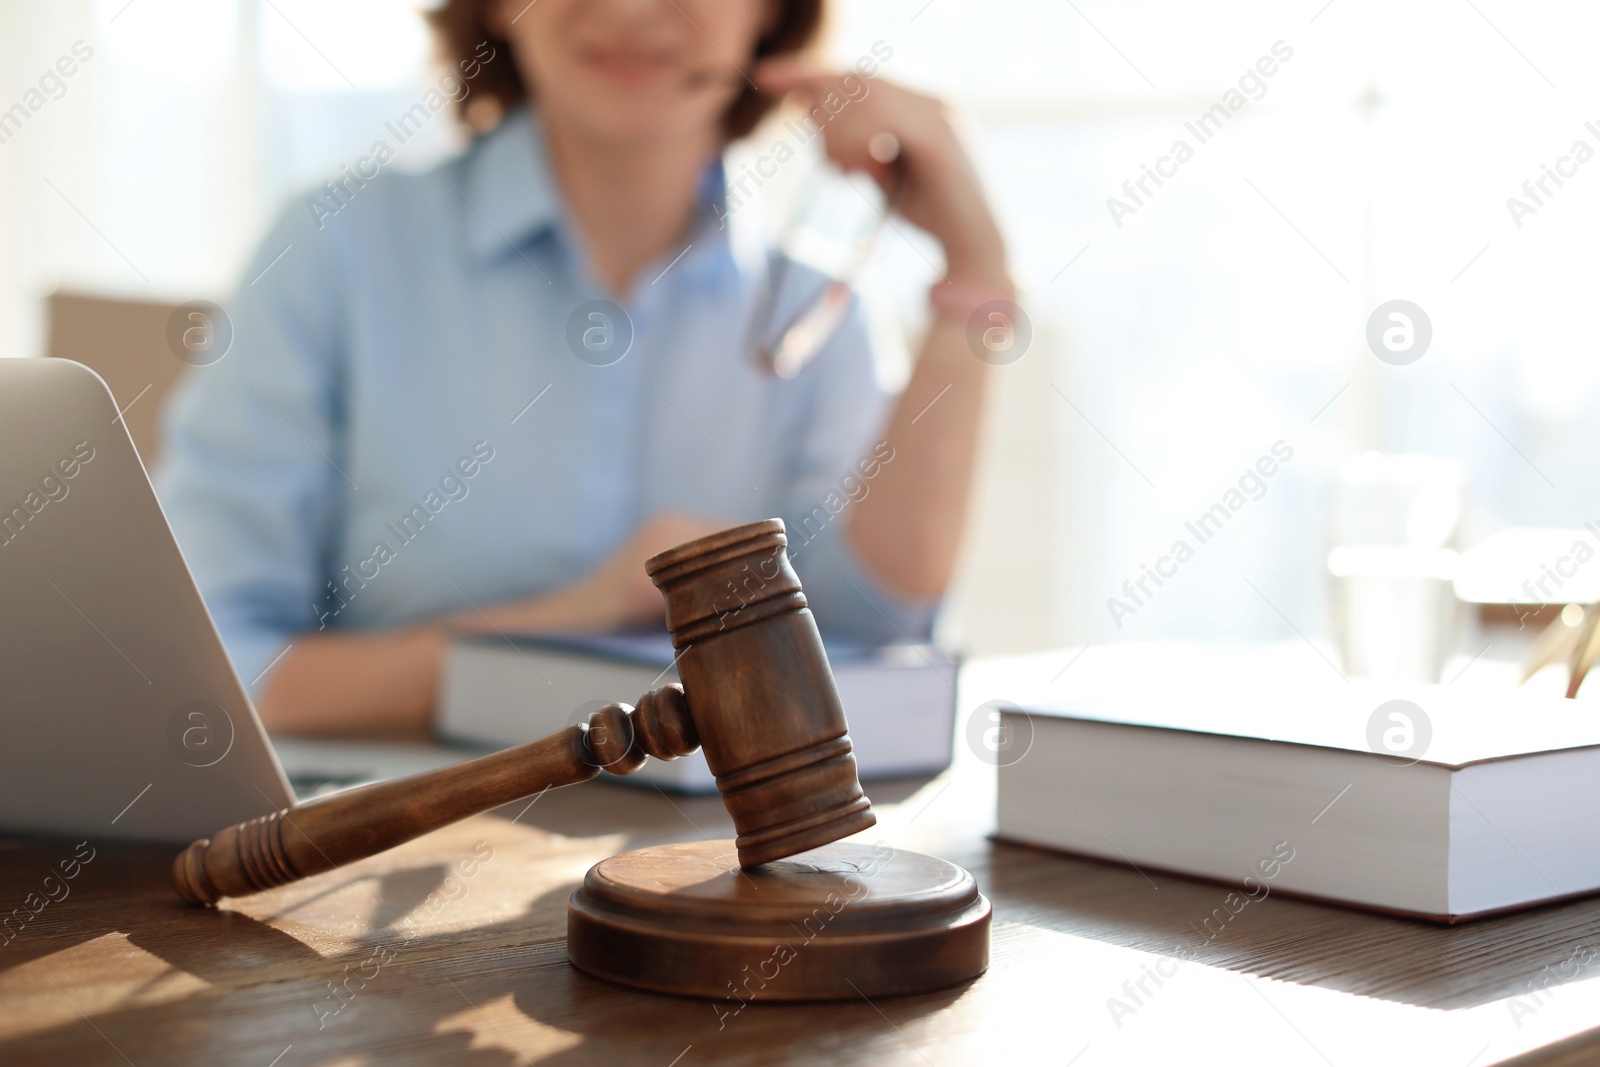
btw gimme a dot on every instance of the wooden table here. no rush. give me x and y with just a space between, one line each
449 950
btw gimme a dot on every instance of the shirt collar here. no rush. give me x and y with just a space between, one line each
510 188
514 197
723 235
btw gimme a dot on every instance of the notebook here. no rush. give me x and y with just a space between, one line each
900 700
1435 801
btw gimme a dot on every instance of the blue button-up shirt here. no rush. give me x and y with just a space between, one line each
422 410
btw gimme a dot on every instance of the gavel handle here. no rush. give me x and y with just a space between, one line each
307 839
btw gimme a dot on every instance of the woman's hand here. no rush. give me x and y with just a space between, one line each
618 592
933 181
907 533
384 684
615 594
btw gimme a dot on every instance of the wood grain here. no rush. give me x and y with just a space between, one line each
353 824
761 691
461 934
840 921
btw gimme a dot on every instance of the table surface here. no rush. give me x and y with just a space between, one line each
450 950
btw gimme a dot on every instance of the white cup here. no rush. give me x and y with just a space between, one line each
1395 612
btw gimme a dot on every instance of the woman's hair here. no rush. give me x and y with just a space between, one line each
462 28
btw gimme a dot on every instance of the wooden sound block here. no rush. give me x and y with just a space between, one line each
841 921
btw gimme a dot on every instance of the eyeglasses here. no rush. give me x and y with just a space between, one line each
785 353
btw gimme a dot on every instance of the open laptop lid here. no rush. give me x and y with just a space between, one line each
120 714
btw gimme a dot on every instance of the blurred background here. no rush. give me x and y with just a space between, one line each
1173 345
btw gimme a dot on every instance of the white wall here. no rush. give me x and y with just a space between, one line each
1175 349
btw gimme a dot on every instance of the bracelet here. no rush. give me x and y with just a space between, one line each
961 299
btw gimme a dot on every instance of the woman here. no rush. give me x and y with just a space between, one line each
475 400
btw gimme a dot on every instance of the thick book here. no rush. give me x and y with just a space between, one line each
900 700
1439 802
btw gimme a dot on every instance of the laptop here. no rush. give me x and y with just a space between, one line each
120 713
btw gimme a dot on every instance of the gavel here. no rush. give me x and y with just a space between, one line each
757 694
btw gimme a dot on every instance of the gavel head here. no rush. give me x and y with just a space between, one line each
760 691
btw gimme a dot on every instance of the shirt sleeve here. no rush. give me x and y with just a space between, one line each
252 469
840 454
